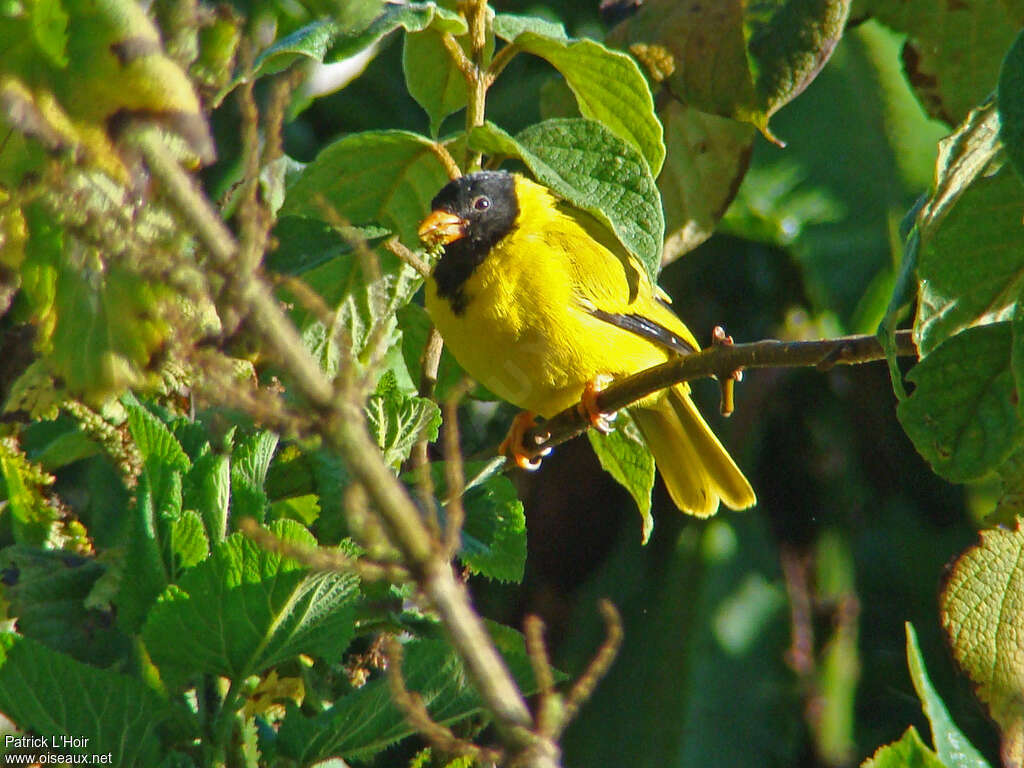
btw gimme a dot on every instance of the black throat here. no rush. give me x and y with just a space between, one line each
485 227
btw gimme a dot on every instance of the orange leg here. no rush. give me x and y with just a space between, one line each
587 407
512 445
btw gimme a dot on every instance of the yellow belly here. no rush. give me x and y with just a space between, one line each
524 336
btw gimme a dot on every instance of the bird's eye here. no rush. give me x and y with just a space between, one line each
482 203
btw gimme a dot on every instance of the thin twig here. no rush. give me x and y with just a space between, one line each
720 361
441 153
415 711
549 709
455 513
597 668
500 61
394 245
320 559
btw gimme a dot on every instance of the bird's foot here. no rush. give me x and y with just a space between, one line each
601 421
512 445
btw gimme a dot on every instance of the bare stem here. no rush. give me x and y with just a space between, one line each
721 361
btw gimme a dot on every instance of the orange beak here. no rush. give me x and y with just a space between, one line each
441 228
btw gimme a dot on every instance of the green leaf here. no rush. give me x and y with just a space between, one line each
327 39
707 157
584 163
50 27
432 77
962 415
304 244
398 421
245 609
953 51
208 491
46 592
188 542
23 484
494 531
624 455
147 573
415 324
1010 102
367 720
508 26
156 444
608 85
982 609
908 752
110 712
740 60
363 324
250 462
971 264
953 748
375 177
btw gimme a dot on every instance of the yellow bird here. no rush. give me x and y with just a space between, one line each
541 305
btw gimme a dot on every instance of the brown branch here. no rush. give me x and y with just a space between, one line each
721 361
342 424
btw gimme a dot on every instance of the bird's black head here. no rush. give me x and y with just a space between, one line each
469 216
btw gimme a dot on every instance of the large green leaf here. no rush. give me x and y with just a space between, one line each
584 163
971 265
740 60
982 612
954 50
962 415
52 694
494 531
246 609
381 177
608 85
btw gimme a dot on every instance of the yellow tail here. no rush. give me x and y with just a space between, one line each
696 468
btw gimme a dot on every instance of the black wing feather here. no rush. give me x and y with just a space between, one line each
645 327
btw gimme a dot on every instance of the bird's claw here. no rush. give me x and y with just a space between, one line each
600 420
512 445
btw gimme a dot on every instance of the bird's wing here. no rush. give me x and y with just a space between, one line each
612 286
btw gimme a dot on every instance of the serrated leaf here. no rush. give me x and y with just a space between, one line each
971 264
952 747
46 591
250 462
245 609
398 421
908 752
154 440
494 530
374 177
953 51
739 60
304 244
962 416
110 712
365 307
982 609
608 85
584 163
366 721
23 484
144 559
706 158
208 491
1010 102
188 542
625 456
